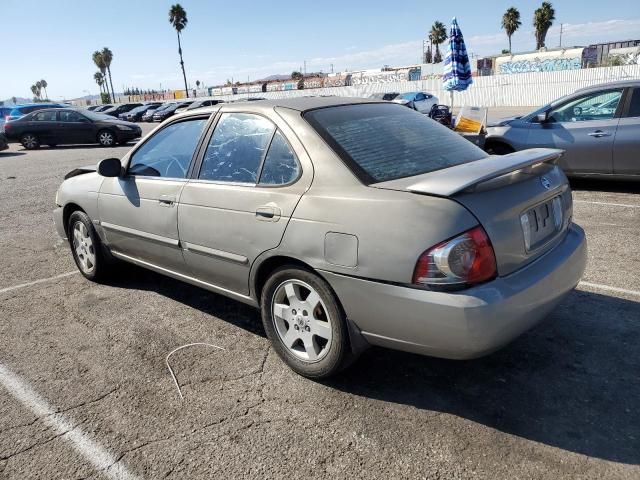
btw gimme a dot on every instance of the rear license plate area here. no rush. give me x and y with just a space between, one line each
541 223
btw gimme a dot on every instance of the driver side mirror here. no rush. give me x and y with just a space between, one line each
110 167
542 117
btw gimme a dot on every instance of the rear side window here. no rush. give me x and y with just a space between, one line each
382 142
236 148
280 165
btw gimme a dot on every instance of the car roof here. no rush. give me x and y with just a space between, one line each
301 104
619 83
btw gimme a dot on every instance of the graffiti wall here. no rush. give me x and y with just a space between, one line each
553 61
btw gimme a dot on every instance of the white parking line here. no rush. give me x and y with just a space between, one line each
36 282
101 459
607 203
607 288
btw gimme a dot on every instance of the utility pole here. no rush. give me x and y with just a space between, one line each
305 68
332 68
561 34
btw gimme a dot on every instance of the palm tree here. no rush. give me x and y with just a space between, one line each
99 80
39 89
107 57
99 61
178 18
197 83
44 86
511 22
438 36
34 90
543 18
13 100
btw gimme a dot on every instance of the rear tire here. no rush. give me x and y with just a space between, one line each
30 141
106 138
305 323
86 247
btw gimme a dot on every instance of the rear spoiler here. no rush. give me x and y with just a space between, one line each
452 180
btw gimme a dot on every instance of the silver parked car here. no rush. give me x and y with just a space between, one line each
598 127
347 222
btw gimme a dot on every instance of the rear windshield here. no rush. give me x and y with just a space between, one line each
382 142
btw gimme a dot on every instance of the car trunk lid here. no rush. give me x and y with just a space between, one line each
522 200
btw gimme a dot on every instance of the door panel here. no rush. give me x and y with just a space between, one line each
588 145
140 218
585 127
139 211
250 183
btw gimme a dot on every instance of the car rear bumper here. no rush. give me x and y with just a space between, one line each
469 323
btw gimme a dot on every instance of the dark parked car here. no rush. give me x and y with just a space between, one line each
93 108
165 113
148 115
136 114
69 126
384 96
3 142
122 108
21 110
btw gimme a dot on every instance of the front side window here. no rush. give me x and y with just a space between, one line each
168 153
45 117
382 142
594 106
236 148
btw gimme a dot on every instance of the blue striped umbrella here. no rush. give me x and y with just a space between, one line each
457 69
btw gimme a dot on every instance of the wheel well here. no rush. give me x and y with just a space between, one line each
492 142
69 208
268 266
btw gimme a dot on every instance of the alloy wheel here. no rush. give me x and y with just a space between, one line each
106 138
301 320
29 141
84 248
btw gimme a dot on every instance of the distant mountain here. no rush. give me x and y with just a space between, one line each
274 77
9 102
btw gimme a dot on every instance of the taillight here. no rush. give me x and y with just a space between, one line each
466 259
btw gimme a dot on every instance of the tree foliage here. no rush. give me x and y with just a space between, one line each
543 18
511 22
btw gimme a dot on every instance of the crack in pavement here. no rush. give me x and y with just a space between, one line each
63 410
39 444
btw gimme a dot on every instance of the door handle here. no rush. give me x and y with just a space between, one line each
167 200
599 133
269 213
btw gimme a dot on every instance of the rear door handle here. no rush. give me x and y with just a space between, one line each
269 213
167 200
599 133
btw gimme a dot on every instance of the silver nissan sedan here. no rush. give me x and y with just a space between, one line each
347 222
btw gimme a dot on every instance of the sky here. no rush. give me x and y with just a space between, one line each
252 39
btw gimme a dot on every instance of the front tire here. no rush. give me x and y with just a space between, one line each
30 141
305 323
86 247
106 138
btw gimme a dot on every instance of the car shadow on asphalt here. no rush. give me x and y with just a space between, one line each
231 311
11 154
572 383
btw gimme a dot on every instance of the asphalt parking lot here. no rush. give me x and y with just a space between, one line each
85 392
